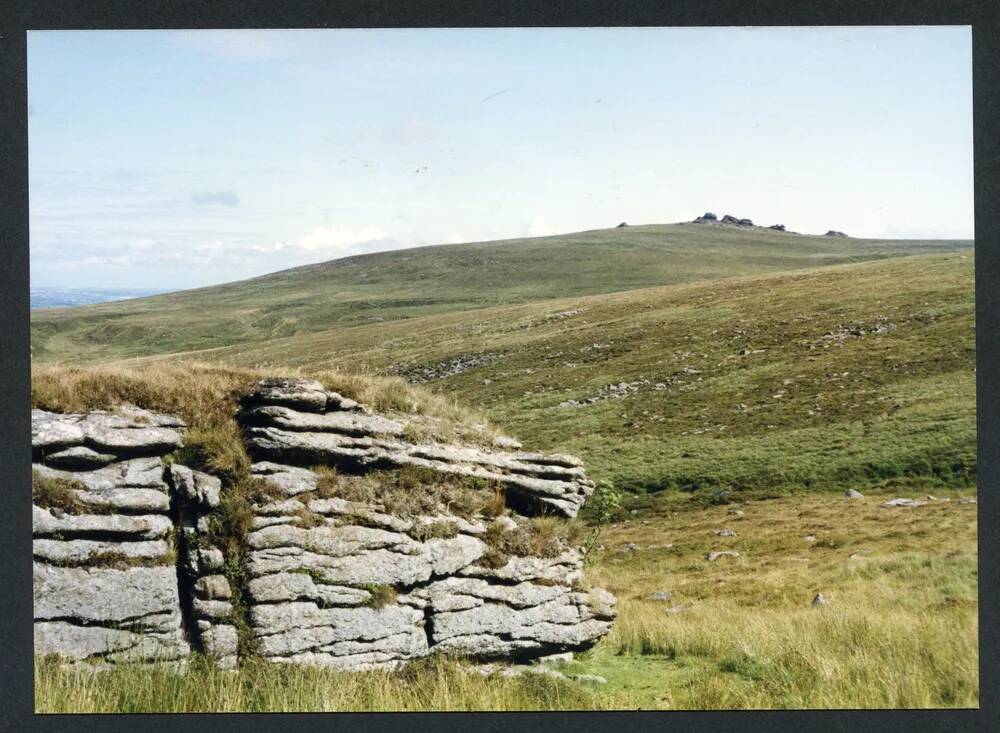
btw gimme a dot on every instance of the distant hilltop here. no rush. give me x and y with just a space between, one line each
728 220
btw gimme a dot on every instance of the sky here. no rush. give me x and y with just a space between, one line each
178 159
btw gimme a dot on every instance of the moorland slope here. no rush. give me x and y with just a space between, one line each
387 286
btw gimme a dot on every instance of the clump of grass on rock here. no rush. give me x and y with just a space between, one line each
56 493
412 491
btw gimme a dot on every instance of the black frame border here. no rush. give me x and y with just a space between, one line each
16 661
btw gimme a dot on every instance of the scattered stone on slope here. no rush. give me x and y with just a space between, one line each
854 494
820 600
716 554
420 373
661 595
903 502
834 233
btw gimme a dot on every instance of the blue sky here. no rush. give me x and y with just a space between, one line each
178 159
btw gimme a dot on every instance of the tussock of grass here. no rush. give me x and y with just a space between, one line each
412 491
539 540
443 529
380 596
58 493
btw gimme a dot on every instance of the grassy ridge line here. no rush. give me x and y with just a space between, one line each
388 286
845 376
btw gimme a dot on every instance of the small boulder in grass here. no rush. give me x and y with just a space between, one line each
556 659
595 678
820 600
715 555
902 502
854 494
725 532
661 595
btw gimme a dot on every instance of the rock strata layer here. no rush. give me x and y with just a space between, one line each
106 510
346 585
104 575
319 429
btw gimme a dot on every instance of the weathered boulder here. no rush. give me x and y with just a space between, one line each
282 439
138 596
44 523
128 430
129 563
75 642
111 569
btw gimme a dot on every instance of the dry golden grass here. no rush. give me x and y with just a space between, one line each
900 629
432 684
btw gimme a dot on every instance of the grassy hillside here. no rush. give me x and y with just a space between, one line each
700 397
434 280
843 376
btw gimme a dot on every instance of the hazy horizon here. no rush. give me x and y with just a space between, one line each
179 159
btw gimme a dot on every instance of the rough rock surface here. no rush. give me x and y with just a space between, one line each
344 584
127 567
352 439
108 585
104 574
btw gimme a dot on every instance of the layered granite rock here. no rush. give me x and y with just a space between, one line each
350 585
298 422
105 575
106 505
130 547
